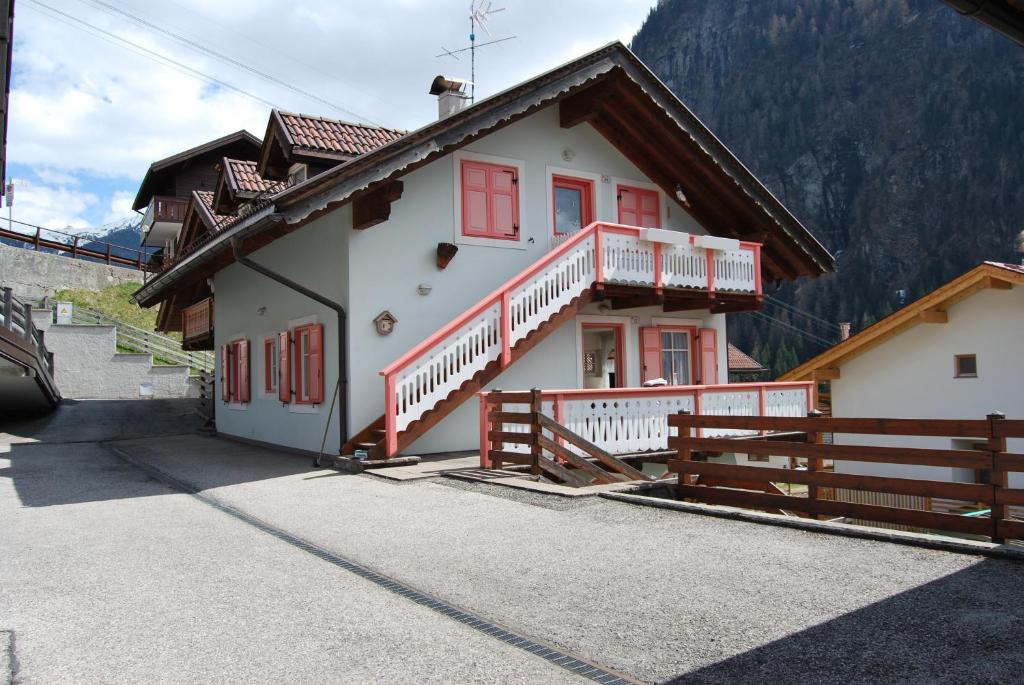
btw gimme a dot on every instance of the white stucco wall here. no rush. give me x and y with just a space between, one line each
316 257
380 268
88 366
911 376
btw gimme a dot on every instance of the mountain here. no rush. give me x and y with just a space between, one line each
893 129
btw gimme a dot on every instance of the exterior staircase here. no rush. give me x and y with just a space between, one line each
431 380
26 365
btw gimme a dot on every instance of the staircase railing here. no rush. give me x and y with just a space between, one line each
600 253
140 340
20 331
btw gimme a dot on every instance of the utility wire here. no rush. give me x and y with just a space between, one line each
227 59
809 336
146 52
802 312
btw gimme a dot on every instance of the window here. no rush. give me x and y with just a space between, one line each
639 207
675 357
490 200
234 371
572 203
270 366
307 382
965 365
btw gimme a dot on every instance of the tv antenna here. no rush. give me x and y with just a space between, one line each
479 13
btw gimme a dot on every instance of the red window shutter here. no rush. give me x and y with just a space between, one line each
284 368
639 207
650 353
708 356
298 380
225 373
490 200
316 364
475 211
504 202
244 381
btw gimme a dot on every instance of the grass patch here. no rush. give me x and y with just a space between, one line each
114 302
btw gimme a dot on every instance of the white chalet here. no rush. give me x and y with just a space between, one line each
582 232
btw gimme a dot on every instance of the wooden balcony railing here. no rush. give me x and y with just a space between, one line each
197 320
164 209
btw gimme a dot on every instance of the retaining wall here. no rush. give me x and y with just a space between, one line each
33 275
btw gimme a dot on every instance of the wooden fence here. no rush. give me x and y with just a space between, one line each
576 461
996 495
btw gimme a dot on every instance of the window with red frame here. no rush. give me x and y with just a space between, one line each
270 366
307 379
234 371
490 200
572 203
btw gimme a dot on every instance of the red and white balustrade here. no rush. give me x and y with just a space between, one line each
601 253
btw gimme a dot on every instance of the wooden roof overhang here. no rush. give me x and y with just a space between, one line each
240 144
199 222
227 195
658 133
930 309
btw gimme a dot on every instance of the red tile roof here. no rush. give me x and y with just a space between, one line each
212 220
242 176
340 137
741 361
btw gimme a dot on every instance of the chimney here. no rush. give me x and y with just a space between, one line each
844 330
451 95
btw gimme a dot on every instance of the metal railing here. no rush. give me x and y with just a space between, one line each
108 253
134 338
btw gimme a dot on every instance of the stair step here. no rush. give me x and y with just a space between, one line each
379 433
364 445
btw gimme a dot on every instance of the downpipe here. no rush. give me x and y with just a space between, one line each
341 389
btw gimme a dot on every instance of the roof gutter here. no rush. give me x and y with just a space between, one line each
996 14
242 259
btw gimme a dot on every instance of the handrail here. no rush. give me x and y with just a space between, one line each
13 310
146 341
490 328
140 262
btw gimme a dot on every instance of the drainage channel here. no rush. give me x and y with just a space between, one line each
560 658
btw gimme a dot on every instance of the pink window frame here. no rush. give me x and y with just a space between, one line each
586 188
691 334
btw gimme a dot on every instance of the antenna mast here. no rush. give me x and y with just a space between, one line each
479 11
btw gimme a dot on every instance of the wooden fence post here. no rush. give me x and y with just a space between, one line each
496 405
997 476
814 463
8 305
685 453
535 448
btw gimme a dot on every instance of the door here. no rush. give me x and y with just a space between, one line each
639 207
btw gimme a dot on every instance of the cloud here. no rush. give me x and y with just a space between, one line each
82 107
120 208
48 206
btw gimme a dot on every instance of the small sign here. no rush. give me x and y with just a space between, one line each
9 195
64 311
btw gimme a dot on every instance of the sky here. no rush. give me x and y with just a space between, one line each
88 113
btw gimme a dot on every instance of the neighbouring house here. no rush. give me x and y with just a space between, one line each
169 183
581 232
742 367
952 354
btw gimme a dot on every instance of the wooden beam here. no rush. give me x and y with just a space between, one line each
826 373
374 207
583 106
996 283
933 316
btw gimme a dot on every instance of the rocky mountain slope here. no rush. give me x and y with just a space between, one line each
893 129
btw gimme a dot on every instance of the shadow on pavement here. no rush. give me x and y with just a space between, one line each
962 628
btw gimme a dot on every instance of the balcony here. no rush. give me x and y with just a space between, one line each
197 326
163 220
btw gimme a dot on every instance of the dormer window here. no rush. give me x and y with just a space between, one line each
297 173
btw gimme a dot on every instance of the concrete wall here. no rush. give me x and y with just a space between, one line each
911 376
33 275
87 366
380 268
